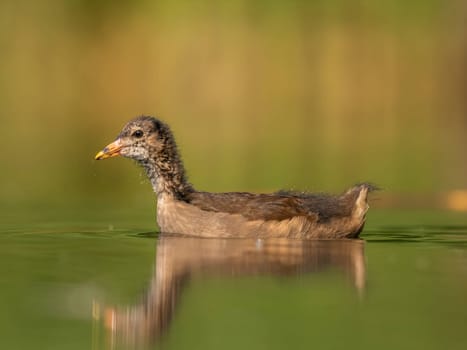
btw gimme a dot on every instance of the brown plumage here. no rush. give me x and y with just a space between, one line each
183 210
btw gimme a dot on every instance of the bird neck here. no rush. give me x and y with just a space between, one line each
167 175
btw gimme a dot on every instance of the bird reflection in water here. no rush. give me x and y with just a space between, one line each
180 259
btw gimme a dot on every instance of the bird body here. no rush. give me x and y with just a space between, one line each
183 210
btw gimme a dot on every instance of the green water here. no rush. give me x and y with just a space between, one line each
103 284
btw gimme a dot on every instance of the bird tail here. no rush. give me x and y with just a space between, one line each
357 199
360 193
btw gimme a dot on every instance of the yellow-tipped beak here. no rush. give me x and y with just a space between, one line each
111 150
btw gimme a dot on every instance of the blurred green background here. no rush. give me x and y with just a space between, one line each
261 95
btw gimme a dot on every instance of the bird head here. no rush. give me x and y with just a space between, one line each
140 139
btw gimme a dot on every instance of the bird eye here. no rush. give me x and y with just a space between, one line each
137 134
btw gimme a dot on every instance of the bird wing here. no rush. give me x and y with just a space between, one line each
280 205
273 206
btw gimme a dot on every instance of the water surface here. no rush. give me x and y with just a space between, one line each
106 284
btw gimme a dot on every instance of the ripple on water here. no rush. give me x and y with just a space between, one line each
440 234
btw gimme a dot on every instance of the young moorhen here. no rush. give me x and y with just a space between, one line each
183 210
